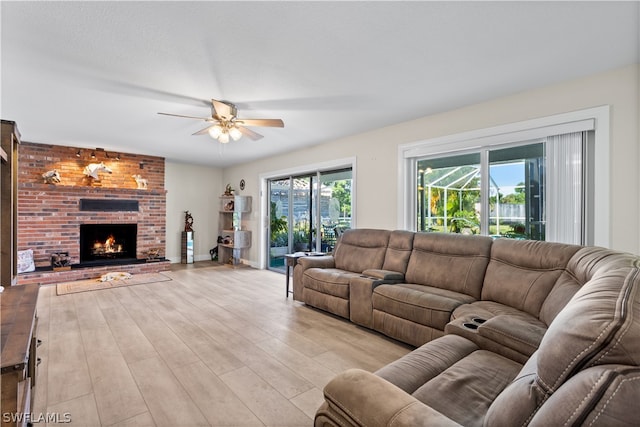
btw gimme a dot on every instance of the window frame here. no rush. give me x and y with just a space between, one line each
596 119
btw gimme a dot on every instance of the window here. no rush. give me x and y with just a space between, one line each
528 180
450 193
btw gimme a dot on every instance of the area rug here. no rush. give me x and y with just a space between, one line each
96 284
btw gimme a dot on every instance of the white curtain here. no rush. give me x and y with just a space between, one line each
565 185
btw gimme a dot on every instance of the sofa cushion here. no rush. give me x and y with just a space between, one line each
521 273
421 304
583 266
360 249
465 391
404 330
449 261
330 281
600 325
411 371
452 376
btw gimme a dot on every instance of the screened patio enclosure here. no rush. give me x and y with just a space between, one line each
450 197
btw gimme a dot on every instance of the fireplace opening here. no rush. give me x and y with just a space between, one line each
107 243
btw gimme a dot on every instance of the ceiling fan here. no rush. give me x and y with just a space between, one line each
224 123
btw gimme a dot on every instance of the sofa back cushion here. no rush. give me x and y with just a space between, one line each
521 273
584 265
598 327
454 262
398 251
361 249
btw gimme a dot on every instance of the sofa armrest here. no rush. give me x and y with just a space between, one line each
304 263
361 300
386 275
323 261
361 294
360 398
513 332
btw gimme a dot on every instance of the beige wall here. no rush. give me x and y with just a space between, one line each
376 152
194 189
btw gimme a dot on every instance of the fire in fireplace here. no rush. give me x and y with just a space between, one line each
106 243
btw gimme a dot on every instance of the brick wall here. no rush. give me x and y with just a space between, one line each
48 214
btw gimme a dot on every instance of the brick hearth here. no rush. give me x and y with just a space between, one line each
49 215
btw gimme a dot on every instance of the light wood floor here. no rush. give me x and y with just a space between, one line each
214 346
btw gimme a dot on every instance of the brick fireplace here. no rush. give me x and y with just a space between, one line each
51 216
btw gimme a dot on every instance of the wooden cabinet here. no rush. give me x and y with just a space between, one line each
19 347
235 237
10 138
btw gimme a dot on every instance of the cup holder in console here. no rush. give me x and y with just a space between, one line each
470 325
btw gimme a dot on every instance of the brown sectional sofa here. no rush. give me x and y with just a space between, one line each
510 332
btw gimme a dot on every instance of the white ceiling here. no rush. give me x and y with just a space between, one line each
94 74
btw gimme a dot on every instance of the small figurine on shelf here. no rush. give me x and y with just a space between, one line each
152 253
51 177
60 261
92 170
228 191
188 221
140 182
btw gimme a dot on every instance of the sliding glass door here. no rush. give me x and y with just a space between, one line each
307 213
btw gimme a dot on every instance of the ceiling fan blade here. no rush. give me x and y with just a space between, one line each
186 117
249 133
222 110
130 89
203 131
262 122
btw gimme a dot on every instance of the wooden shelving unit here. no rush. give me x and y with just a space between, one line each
235 237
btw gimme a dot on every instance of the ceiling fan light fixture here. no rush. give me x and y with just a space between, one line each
224 137
224 124
215 131
235 133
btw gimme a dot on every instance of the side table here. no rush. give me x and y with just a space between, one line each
290 261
